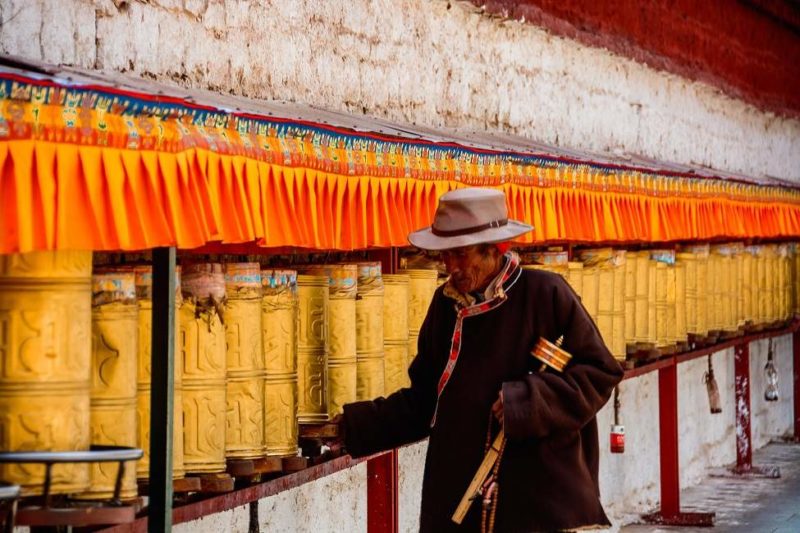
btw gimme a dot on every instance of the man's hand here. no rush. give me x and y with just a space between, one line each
497 408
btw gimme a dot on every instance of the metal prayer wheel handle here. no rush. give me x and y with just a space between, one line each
551 354
97 454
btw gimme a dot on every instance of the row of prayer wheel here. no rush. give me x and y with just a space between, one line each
256 351
663 298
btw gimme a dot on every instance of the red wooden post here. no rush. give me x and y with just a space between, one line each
741 372
670 513
383 471
668 441
744 440
382 490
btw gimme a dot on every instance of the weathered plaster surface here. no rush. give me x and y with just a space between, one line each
412 468
334 503
436 63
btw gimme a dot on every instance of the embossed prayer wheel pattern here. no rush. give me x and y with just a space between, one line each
342 366
45 329
115 326
144 285
395 332
279 325
312 349
244 433
369 332
203 351
421 286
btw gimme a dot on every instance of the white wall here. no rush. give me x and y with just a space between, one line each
430 62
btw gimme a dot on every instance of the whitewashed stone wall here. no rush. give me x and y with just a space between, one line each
430 62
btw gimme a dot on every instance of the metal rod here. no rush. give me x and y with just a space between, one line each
161 396
48 478
118 483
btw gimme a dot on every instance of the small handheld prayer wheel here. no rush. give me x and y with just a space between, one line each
395 331
115 326
244 431
342 369
551 354
312 349
279 327
144 295
203 351
369 332
46 320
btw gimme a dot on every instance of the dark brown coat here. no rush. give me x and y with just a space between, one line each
548 476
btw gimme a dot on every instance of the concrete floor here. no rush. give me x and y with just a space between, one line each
746 504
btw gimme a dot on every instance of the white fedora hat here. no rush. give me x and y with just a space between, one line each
469 216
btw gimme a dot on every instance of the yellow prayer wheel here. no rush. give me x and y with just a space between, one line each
618 307
575 276
786 282
737 285
203 351
312 349
720 261
369 332
662 275
244 431
46 320
681 329
748 286
652 324
421 286
761 298
395 331
115 326
701 255
599 266
342 327
590 293
665 299
144 295
629 300
279 326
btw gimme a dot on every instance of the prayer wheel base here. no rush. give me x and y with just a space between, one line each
179 486
294 464
268 465
215 483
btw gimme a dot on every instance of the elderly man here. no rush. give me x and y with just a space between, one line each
474 371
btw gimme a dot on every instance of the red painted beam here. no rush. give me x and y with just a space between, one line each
382 490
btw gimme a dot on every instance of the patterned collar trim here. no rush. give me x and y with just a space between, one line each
499 286
495 289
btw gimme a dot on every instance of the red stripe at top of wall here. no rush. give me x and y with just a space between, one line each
749 48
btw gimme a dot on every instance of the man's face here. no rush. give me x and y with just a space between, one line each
469 269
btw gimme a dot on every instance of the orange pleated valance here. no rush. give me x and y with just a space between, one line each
94 168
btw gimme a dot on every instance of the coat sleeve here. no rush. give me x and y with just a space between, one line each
549 402
402 417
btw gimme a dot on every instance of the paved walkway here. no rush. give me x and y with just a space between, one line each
746 505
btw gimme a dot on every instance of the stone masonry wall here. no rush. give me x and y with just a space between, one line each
434 62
